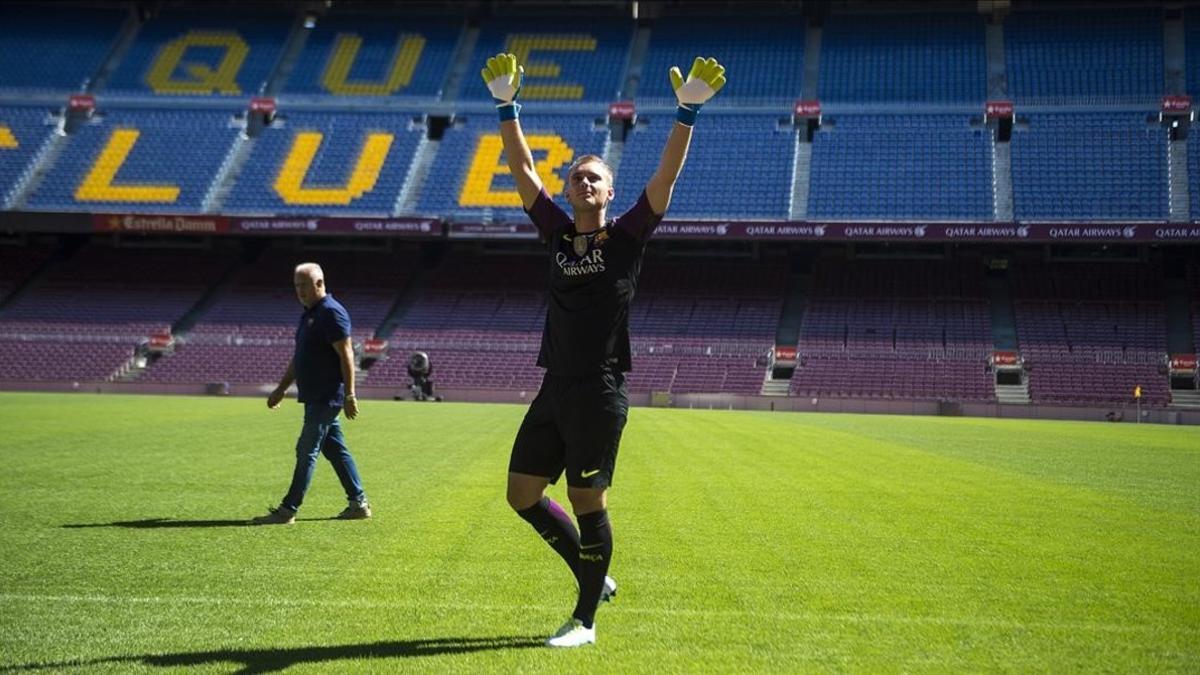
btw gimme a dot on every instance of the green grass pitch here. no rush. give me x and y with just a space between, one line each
744 542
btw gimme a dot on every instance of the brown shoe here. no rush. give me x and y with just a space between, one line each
279 516
355 512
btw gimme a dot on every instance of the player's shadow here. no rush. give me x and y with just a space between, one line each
272 660
154 523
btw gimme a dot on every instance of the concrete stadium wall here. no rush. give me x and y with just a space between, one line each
693 401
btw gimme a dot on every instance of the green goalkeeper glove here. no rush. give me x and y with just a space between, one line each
503 77
705 80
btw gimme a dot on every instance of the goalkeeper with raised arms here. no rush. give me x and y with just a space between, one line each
575 422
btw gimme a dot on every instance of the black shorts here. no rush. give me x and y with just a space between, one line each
574 423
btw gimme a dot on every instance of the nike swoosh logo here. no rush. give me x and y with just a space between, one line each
589 474
584 548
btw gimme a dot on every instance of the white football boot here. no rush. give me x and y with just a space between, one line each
608 592
573 634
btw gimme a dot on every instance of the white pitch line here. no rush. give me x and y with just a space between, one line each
969 622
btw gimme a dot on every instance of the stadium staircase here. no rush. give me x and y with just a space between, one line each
774 387
1179 317
1002 189
1017 394
788 332
131 370
997 87
422 166
1178 189
1185 398
1180 339
1004 336
125 39
189 319
1004 327
404 302
230 169
45 159
802 172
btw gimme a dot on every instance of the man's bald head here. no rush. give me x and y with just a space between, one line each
309 281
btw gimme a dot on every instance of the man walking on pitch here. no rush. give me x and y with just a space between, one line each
322 367
575 423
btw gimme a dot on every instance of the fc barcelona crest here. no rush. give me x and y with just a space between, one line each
580 244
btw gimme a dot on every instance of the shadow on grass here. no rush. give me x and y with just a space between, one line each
152 523
271 660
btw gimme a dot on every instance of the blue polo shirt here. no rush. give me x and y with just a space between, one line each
316 363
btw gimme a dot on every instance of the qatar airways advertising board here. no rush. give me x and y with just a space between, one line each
934 232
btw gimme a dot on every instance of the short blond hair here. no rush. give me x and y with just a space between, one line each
588 159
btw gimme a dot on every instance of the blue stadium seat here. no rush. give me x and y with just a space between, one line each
901 166
765 60
1193 144
1089 166
1191 27
345 140
54 49
450 180
208 53
564 62
926 58
173 150
739 166
1084 56
366 65
23 131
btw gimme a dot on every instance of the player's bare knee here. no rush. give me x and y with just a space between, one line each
586 500
522 496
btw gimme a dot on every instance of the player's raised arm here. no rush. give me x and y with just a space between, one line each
704 80
503 78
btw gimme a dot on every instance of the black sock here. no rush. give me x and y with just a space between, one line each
555 527
595 552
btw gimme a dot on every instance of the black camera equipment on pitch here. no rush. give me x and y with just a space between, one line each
420 368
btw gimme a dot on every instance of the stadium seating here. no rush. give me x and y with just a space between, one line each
1194 292
453 190
1084 57
88 314
357 165
53 49
1191 27
571 61
901 166
1090 332
121 293
1080 166
900 57
23 131
246 335
138 160
763 75
898 329
17 263
60 361
362 56
739 166
480 320
1193 153
902 329
202 53
700 325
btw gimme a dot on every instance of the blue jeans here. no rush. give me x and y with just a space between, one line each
322 435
